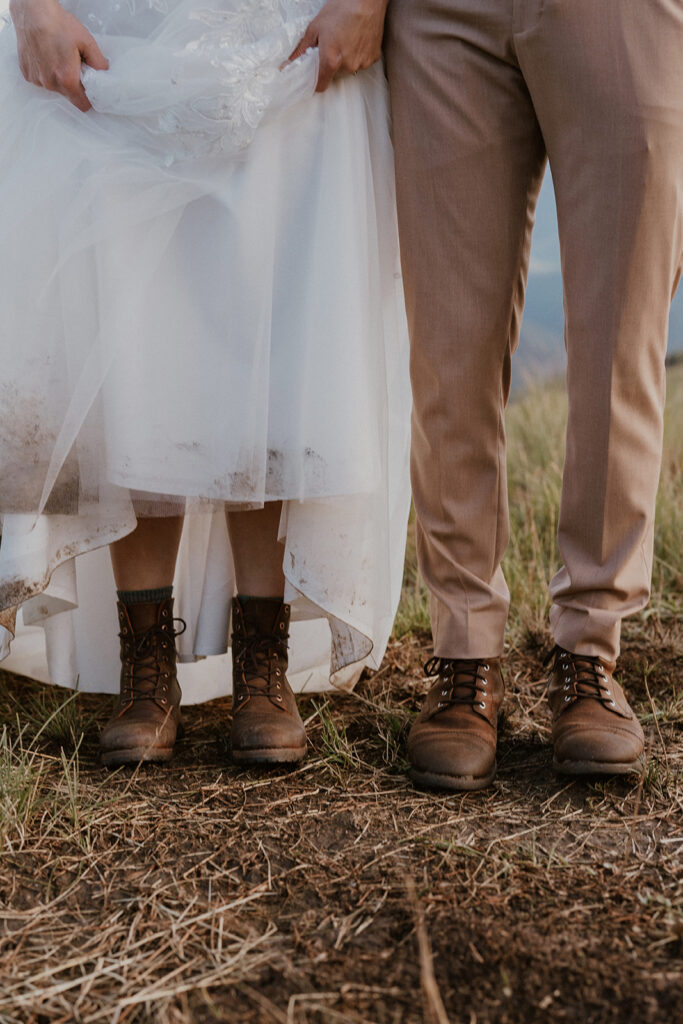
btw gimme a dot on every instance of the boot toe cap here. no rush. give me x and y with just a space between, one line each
588 745
267 733
455 754
138 737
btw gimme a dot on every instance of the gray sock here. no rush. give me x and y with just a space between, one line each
145 596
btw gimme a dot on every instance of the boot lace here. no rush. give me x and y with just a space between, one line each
256 659
583 677
147 653
464 682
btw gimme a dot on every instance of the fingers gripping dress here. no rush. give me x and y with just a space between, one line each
200 308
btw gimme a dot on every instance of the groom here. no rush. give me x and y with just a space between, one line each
483 92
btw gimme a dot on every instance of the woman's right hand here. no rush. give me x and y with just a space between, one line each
52 45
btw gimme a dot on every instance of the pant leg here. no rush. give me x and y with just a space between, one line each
607 84
469 164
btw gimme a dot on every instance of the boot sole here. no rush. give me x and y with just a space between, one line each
600 768
269 755
452 783
134 755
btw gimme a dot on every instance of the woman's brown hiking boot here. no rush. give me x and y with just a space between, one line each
146 716
594 730
266 725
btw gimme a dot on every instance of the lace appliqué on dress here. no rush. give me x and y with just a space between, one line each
202 84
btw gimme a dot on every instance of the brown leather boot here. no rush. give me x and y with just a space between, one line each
266 725
452 744
146 716
594 730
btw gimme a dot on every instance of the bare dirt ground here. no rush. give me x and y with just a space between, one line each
337 892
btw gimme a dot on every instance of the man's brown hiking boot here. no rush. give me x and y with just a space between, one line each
452 744
266 725
146 716
594 730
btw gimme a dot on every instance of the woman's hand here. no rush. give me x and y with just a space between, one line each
348 34
52 44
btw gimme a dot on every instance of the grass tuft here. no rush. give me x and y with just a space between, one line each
21 778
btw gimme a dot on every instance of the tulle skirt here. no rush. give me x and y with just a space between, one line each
201 310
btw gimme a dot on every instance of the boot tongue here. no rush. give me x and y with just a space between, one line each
260 638
465 679
260 614
143 615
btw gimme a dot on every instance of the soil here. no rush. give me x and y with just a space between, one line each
337 892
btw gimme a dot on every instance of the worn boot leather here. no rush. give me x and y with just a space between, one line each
452 744
146 716
594 730
266 725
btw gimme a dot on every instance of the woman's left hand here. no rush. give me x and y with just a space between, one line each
348 34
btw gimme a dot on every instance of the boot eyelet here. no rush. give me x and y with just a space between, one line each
567 679
567 698
613 703
566 686
441 704
486 668
278 697
444 693
482 704
484 693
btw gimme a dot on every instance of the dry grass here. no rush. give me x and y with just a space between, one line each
337 892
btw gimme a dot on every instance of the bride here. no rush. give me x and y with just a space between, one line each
203 359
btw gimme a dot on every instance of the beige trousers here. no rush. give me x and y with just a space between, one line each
483 91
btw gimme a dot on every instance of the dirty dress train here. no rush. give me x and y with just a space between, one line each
201 308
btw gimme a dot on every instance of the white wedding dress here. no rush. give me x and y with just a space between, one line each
201 307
